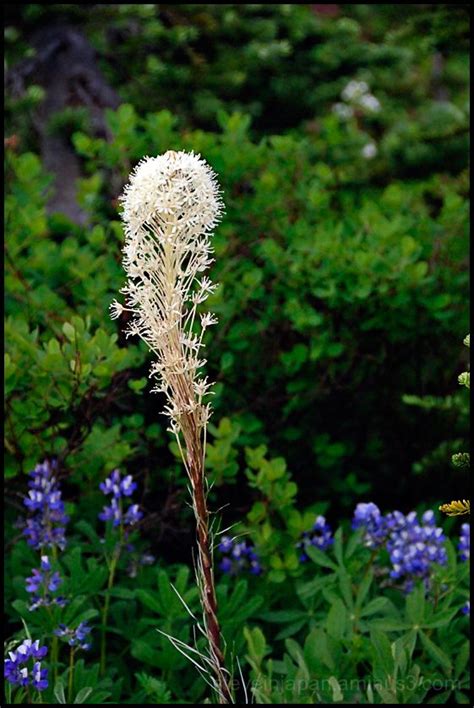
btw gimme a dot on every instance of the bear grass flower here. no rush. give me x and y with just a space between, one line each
23 666
46 528
170 208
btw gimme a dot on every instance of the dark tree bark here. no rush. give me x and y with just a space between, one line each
65 66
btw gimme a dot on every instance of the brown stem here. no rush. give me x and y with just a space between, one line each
205 570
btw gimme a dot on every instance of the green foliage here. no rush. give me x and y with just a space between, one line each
346 641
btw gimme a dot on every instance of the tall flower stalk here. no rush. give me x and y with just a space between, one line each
171 206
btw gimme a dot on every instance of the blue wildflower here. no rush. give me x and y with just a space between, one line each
369 517
466 609
238 557
464 544
16 670
75 637
119 488
46 528
320 537
41 583
415 547
132 515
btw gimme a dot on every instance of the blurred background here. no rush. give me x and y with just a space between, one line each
340 137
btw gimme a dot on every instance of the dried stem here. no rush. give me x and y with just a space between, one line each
205 567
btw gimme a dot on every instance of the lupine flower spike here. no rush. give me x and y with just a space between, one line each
171 206
42 583
415 546
46 527
238 556
320 537
20 671
75 637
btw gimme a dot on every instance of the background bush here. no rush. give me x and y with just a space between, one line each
343 278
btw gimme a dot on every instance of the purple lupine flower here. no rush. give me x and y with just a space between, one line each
119 488
226 565
46 528
465 542
40 677
16 669
320 536
75 637
226 544
41 583
132 515
369 517
415 547
112 512
238 557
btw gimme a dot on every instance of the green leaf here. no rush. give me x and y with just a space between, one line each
382 651
386 695
291 629
338 547
256 643
461 698
336 620
353 544
364 588
389 624
462 658
320 558
441 619
59 692
375 605
415 605
283 615
83 694
317 651
296 653
69 331
142 651
337 694
149 600
436 653
346 589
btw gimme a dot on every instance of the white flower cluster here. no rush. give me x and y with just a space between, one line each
369 151
171 205
356 95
